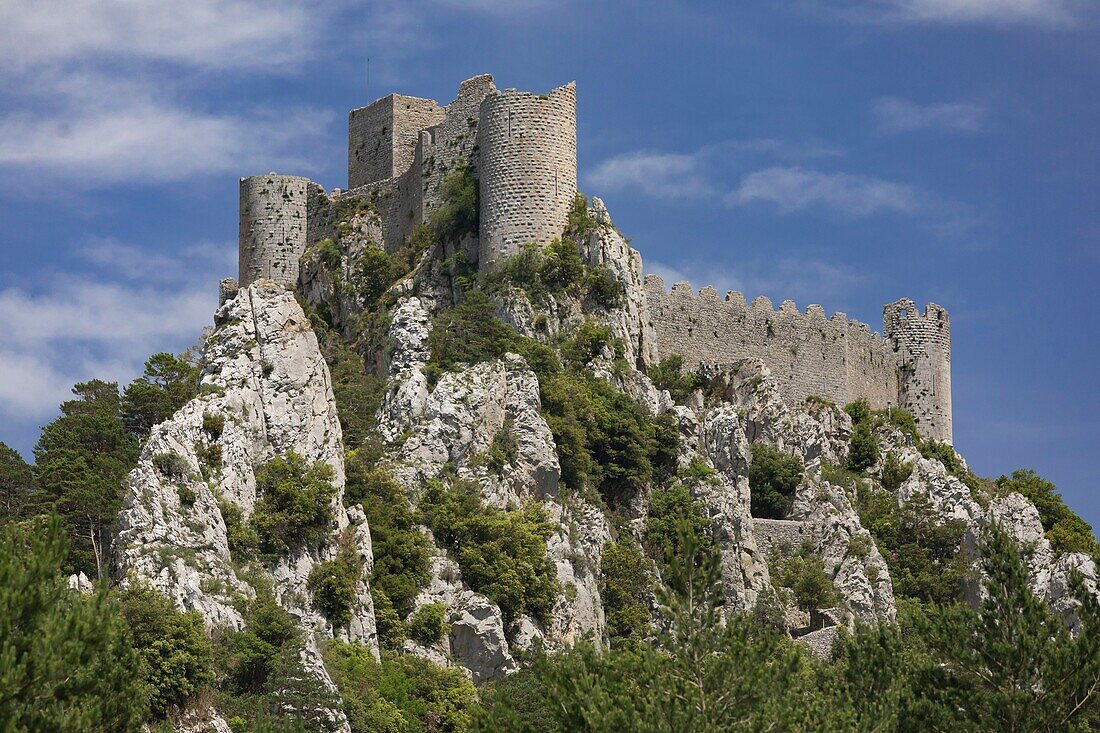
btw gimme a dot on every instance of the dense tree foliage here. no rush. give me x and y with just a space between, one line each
165 386
333 583
1066 531
16 485
773 478
66 661
626 580
295 504
502 553
81 459
177 657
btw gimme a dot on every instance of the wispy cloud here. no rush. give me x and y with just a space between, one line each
214 34
148 139
795 189
799 279
1042 13
655 174
691 175
893 115
96 325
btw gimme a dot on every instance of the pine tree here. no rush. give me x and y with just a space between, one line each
166 385
81 460
16 480
1013 665
66 664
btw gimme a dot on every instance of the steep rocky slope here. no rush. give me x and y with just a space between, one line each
485 423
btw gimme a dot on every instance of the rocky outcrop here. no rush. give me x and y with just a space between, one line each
850 556
265 392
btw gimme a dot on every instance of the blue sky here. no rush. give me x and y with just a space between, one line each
841 152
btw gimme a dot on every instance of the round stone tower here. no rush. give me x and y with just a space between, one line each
923 343
527 167
272 235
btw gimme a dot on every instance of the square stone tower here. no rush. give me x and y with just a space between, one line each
382 136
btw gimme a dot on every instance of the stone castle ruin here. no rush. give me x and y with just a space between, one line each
522 149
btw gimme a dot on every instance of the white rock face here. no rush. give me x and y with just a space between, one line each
265 391
477 638
850 555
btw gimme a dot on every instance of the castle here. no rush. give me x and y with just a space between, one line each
522 149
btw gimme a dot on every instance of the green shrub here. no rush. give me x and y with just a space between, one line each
697 469
580 221
213 424
187 495
922 552
332 583
863 449
625 579
457 216
177 658
895 472
371 274
470 333
1066 531
426 627
603 287
251 655
673 515
773 478
669 374
942 452
295 505
391 629
605 440
804 573
503 449
399 694
502 554
586 344
860 411
242 539
402 552
171 465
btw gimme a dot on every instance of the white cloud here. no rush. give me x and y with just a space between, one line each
893 115
79 327
1044 13
655 174
151 140
802 280
794 189
216 34
690 175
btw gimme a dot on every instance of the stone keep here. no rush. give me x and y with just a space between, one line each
528 168
923 343
272 234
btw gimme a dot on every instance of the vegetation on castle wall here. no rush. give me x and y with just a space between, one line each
502 553
773 478
295 504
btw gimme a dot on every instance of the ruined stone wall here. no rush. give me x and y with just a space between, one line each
382 137
924 341
782 535
273 230
528 168
455 138
807 353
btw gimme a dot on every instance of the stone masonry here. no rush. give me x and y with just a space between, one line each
522 149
